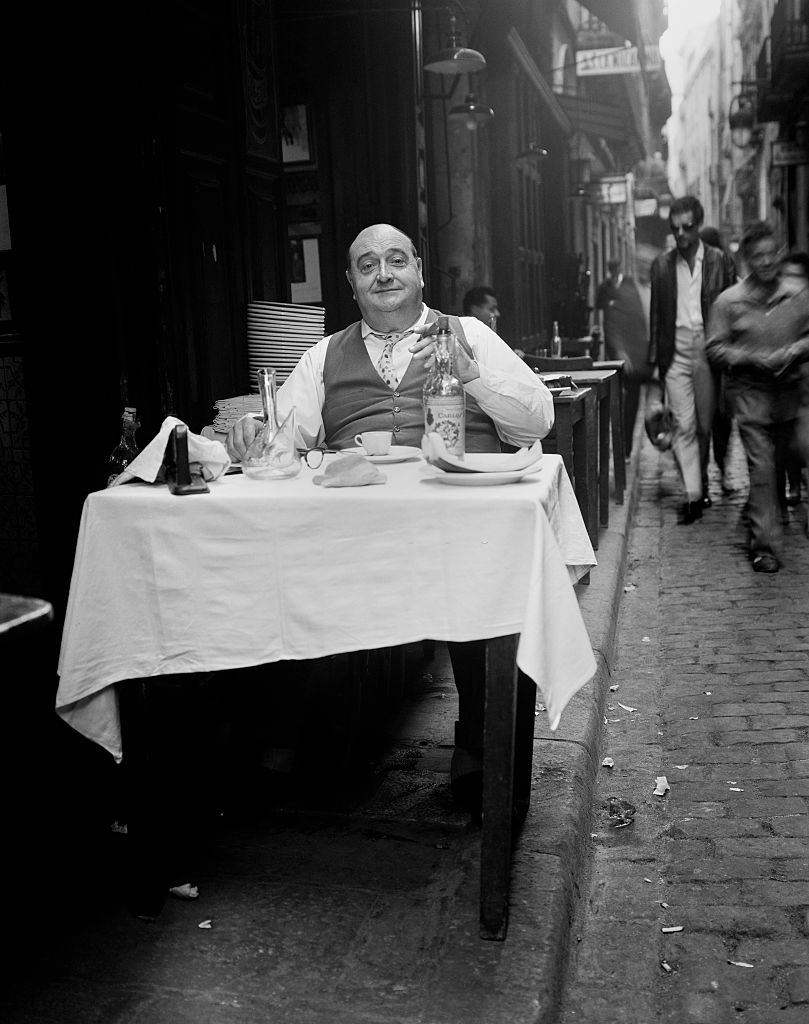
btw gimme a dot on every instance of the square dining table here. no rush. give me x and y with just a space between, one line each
261 571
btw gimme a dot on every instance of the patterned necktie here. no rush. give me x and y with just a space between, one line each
385 364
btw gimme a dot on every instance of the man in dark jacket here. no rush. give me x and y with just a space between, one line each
685 282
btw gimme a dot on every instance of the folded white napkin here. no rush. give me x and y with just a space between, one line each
435 452
208 457
349 470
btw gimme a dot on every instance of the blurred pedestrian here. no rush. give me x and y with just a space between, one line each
788 465
626 337
685 282
722 418
759 334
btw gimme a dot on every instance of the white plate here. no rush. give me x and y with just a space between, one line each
398 453
480 479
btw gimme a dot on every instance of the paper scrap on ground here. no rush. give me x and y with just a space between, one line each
662 785
681 767
614 687
626 707
672 929
646 639
629 588
740 963
205 924
666 966
608 763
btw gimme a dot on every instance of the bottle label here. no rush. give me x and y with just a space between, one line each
447 417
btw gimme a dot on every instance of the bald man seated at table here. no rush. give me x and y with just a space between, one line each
370 375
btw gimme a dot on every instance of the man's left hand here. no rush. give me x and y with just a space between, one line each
424 348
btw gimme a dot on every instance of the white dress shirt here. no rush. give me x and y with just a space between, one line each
689 290
508 391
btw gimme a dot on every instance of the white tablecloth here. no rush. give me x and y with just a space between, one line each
256 572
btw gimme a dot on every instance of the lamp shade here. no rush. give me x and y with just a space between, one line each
474 114
455 60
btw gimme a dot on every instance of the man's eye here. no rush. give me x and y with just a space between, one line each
398 261
366 267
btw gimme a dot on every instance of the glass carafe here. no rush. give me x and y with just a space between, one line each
272 455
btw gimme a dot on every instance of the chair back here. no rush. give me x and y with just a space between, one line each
564 364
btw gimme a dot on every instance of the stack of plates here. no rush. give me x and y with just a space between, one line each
230 410
278 333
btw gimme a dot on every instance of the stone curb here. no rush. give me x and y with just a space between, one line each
550 856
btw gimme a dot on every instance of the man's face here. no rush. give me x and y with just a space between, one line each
487 312
762 260
685 231
384 275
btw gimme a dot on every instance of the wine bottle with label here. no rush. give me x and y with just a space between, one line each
126 449
444 396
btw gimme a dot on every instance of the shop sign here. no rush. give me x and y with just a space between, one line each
611 192
645 207
787 154
616 60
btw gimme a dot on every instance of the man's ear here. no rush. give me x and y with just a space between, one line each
421 275
351 283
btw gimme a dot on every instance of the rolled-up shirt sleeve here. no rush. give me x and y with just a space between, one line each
508 391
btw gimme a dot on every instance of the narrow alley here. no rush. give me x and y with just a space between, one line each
696 911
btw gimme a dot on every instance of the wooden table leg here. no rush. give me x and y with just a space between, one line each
585 469
604 410
618 439
498 785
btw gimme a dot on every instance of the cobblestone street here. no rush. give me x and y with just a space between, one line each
698 910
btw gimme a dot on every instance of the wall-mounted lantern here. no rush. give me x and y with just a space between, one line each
742 122
455 59
472 112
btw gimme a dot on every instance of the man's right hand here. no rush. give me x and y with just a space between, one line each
241 436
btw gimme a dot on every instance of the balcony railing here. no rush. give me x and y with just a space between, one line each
790 44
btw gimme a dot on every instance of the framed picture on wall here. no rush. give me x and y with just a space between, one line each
297 144
304 262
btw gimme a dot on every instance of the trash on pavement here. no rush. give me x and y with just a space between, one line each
740 963
614 687
630 587
673 928
736 789
646 639
681 767
621 811
205 924
608 763
662 785
693 718
626 707
666 966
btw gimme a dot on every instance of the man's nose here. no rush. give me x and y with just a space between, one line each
383 273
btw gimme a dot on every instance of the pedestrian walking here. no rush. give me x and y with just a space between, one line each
685 283
788 465
759 335
626 337
722 418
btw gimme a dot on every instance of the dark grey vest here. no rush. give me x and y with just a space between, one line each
358 399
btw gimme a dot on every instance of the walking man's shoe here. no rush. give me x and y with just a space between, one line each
706 502
690 513
765 563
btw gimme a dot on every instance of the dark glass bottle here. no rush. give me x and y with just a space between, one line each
556 342
126 449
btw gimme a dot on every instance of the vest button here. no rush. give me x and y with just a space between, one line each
396 395
396 408
397 429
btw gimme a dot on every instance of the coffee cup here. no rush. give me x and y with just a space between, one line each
375 442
